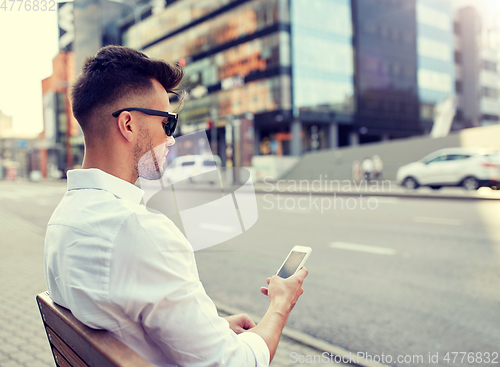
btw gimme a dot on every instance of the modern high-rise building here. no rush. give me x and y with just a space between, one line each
386 70
285 64
323 90
237 62
477 73
435 52
311 74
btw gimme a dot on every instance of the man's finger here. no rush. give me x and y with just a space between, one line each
302 273
249 324
264 291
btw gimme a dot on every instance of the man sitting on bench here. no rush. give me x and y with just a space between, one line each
119 267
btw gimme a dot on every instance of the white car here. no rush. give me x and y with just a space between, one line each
192 167
469 168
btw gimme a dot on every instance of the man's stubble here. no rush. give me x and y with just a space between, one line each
145 160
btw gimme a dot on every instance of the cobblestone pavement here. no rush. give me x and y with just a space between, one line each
23 342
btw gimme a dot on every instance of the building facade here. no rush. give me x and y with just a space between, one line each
17 156
323 87
259 60
477 73
386 70
435 50
301 75
313 74
61 145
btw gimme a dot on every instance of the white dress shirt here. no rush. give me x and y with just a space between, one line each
119 267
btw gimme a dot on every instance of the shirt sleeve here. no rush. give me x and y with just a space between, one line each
154 280
256 342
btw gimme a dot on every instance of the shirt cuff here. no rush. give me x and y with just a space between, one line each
258 346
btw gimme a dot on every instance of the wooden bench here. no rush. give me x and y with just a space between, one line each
74 344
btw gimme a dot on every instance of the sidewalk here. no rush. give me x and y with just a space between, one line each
22 338
350 188
23 342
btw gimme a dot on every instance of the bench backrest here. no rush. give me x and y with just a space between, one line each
74 344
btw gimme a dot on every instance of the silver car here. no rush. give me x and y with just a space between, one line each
468 168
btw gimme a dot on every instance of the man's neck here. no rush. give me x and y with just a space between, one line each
114 164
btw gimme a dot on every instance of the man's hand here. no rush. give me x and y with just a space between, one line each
240 323
283 294
285 291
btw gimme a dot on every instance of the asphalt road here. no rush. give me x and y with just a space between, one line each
388 276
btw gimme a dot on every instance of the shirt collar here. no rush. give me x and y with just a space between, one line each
93 178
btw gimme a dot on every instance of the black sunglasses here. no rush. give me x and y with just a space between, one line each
168 126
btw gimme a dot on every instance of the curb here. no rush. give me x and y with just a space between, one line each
307 340
350 193
381 194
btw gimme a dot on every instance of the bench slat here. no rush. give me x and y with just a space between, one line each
60 360
97 348
64 349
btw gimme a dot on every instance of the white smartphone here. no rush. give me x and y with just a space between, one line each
294 261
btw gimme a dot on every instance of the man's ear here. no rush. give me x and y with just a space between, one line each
126 125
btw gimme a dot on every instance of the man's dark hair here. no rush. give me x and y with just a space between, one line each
113 73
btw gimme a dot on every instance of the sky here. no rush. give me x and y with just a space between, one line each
28 43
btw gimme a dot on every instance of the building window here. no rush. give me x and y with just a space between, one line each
458 86
408 37
458 57
396 69
409 71
427 111
371 27
490 117
433 17
434 49
433 80
489 65
489 92
384 31
456 28
395 35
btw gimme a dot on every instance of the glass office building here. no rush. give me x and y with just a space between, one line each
436 64
322 71
304 74
237 63
386 70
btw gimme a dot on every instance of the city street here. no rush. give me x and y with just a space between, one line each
387 276
411 277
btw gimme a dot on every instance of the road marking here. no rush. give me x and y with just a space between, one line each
447 221
362 248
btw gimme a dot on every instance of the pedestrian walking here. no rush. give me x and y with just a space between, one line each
356 170
367 167
378 167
